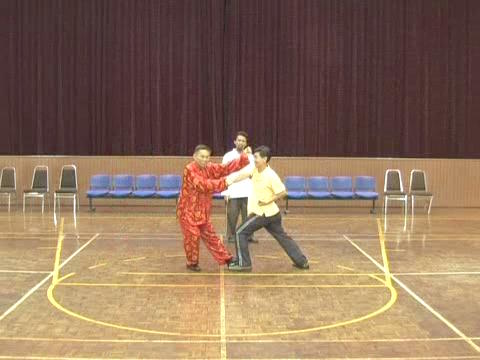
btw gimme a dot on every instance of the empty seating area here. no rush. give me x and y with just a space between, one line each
149 186
333 188
126 186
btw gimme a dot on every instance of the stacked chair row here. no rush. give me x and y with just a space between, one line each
334 188
136 187
40 187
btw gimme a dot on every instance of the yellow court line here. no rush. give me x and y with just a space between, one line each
223 321
386 265
135 259
24 272
385 307
462 357
345 268
97 266
452 273
56 267
232 274
43 281
120 285
413 294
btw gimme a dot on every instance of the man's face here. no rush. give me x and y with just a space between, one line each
240 142
202 157
259 161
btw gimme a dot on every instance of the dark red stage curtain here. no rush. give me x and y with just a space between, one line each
394 78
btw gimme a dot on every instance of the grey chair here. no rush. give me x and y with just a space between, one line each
40 186
418 188
8 184
68 188
393 190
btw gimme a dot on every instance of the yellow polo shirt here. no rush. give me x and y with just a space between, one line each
266 185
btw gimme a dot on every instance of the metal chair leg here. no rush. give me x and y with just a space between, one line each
413 205
43 204
430 205
23 203
9 195
385 206
54 203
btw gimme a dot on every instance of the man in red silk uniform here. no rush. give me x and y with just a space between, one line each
201 179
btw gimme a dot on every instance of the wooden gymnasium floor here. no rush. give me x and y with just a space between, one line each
120 289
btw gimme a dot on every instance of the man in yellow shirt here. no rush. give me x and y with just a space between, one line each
264 213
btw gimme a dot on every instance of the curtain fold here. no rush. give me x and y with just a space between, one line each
379 78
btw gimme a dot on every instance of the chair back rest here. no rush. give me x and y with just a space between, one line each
40 178
68 177
101 182
146 182
8 178
123 182
169 182
342 183
365 183
393 180
295 183
418 180
317 183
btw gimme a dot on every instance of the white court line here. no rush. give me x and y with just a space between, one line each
241 341
416 297
36 287
24 272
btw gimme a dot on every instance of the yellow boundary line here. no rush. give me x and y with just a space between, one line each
222 284
385 307
223 321
411 292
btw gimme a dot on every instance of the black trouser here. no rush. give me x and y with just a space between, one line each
273 225
235 208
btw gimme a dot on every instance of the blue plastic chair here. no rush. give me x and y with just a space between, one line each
169 186
318 187
145 186
122 186
218 196
365 188
342 187
100 186
296 188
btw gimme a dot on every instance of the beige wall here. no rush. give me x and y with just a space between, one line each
455 183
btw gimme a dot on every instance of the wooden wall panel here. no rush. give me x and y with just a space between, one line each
455 183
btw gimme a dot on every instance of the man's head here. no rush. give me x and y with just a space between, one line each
241 140
202 155
262 156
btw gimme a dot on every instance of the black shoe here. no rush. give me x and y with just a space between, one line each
194 268
231 240
253 241
237 267
304 266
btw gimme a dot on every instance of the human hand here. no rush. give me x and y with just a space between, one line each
248 150
263 203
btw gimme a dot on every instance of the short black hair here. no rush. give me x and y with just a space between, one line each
264 152
203 147
242 133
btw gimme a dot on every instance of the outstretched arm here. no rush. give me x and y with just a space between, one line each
216 171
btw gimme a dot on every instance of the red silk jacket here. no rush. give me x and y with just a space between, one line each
198 186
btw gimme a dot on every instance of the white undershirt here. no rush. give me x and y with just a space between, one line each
241 189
